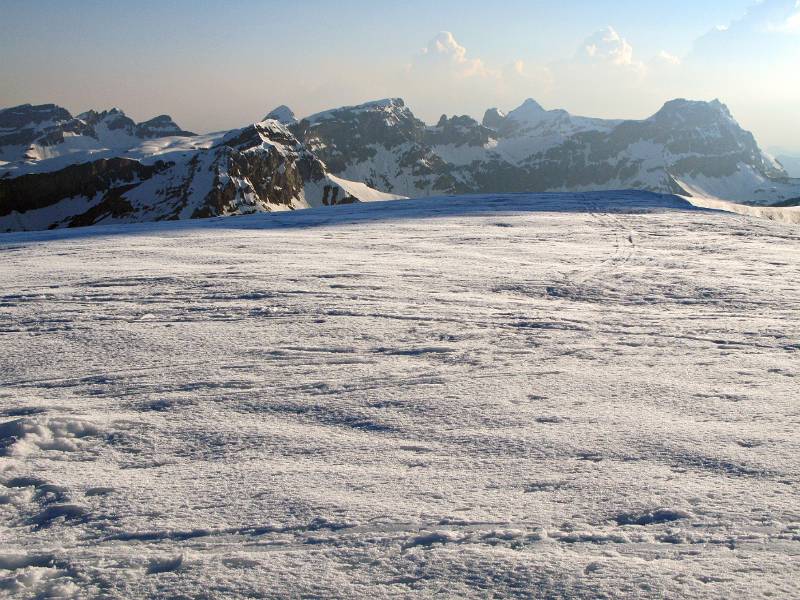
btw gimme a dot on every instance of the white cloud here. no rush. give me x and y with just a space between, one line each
444 75
606 47
750 64
444 53
603 78
790 24
666 58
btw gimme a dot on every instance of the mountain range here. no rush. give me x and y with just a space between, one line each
59 170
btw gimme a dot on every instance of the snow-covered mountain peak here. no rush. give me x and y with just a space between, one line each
262 135
393 110
532 116
283 114
528 110
113 119
693 113
385 103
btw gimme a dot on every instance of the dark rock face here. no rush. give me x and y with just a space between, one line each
19 117
40 190
458 131
344 135
21 125
493 118
248 177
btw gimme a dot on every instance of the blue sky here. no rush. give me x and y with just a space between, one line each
214 64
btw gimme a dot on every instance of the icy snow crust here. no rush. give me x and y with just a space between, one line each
547 396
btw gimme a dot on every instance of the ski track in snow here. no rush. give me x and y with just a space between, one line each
555 396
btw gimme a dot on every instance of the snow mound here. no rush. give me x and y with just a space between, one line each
21 437
785 214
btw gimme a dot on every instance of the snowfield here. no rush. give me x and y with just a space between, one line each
547 396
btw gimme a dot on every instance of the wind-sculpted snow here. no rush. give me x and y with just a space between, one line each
546 396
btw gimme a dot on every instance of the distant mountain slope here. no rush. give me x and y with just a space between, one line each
35 133
790 163
685 145
258 168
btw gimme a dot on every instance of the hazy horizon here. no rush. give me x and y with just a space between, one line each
215 66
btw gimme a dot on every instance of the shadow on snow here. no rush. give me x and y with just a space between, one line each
477 205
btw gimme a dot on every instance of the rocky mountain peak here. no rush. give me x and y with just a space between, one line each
160 126
114 118
18 117
493 118
457 131
268 132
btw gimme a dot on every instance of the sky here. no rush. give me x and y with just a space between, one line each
216 65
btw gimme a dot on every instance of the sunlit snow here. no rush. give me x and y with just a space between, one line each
547 396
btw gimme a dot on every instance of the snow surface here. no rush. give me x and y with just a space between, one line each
789 214
547 396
